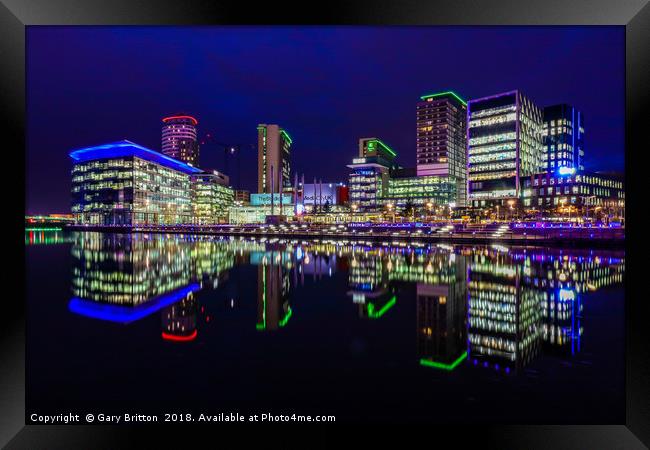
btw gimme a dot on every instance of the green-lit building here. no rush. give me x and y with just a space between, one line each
377 183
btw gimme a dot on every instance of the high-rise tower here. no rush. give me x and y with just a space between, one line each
441 139
179 139
273 159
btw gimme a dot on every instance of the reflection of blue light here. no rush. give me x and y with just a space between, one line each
566 171
125 148
566 295
128 314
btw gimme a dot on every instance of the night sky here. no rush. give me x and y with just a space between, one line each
327 86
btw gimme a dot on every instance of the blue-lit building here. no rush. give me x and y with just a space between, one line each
563 133
123 183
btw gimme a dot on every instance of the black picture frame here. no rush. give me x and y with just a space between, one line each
634 15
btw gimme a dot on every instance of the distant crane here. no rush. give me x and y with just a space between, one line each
229 151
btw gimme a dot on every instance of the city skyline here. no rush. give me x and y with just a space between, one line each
128 103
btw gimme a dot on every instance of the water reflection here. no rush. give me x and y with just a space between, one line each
484 307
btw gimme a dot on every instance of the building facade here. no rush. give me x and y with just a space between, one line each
504 139
375 147
422 193
211 197
368 183
242 197
586 194
563 133
441 140
123 183
273 159
179 139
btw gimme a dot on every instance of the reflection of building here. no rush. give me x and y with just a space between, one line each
123 183
441 316
179 320
441 140
504 324
504 145
179 139
273 288
273 159
123 278
562 314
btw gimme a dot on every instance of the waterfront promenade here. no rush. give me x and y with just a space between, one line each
498 232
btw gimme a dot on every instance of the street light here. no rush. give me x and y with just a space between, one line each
429 207
511 203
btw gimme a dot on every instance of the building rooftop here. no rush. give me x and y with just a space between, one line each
121 149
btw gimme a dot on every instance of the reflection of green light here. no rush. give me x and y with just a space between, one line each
440 94
43 229
287 137
376 315
439 365
262 326
286 317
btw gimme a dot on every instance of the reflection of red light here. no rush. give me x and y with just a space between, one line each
175 338
166 119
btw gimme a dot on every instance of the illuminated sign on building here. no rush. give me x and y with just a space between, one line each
265 199
320 194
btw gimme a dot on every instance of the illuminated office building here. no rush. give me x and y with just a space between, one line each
179 139
123 183
504 145
563 133
422 191
441 140
584 193
211 197
368 182
273 159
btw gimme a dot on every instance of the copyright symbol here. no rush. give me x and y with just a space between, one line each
90 418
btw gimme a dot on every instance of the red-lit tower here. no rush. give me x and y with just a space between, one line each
179 138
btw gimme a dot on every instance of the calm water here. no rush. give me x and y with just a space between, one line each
154 323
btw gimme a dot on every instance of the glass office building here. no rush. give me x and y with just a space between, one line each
420 191
211 198
123 183
442 141
587 192
504 139
368 182
563 132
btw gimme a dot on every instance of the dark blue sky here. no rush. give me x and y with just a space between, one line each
327 86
